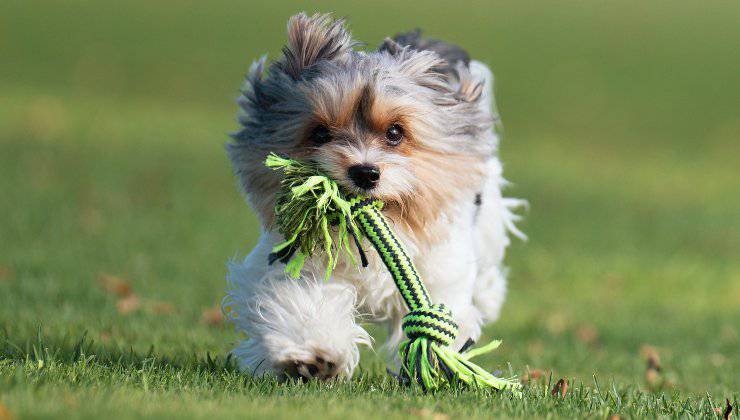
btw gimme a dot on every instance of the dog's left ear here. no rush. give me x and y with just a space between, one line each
390 46
435 64
312 39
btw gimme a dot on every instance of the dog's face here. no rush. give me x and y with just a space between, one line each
398 124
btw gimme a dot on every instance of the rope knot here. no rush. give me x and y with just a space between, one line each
432 322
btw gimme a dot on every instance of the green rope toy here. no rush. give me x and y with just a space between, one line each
309 207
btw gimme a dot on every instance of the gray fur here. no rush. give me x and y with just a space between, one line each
311 39
450 53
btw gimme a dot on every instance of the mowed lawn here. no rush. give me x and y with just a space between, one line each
118 209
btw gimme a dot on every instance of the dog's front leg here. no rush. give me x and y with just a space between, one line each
295 327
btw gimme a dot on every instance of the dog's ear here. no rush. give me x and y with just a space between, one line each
424 67
390 46
312 39
470 88
430 69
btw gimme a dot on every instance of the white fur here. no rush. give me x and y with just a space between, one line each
293 321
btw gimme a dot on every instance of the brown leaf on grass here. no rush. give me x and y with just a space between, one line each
161 308
5 413
560 388
651 356
128 304
532 375
653 366
212 316
115 285
105 337
426 413
6 273
728 410
587 334
614 417
652 376
536 374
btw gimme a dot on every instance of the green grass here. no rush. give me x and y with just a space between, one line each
621 128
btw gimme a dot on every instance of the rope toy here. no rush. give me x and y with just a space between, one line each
309 207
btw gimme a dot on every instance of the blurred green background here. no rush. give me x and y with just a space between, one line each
621 127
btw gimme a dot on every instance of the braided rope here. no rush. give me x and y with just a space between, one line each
434 322
308 204
430 328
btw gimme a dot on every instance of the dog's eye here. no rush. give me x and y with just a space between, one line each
321 135
394 134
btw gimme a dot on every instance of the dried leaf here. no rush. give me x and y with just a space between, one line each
536 374
115 285
532 375
587 334
128 304
653 366
213 316
614 417
651 356
560 388
5 413
652 376
6 273
426 413
162 308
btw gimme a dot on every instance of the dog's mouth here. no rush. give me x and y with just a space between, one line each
366 191
349 187
353 189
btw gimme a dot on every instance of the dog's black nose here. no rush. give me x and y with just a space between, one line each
364 176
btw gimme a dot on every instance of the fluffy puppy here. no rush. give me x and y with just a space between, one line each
411 123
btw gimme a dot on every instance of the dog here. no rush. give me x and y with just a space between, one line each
412 123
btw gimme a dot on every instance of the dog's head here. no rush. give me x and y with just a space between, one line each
401 124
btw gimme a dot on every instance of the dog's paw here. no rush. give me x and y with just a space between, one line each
312 360
313 367
300 330
304 361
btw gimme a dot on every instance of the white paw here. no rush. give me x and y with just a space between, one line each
303 329
314 364
309 360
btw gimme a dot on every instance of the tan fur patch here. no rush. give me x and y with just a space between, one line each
358 118
441 182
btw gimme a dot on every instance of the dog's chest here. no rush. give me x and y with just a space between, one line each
440 263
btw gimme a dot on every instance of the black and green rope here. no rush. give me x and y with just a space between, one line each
308 204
